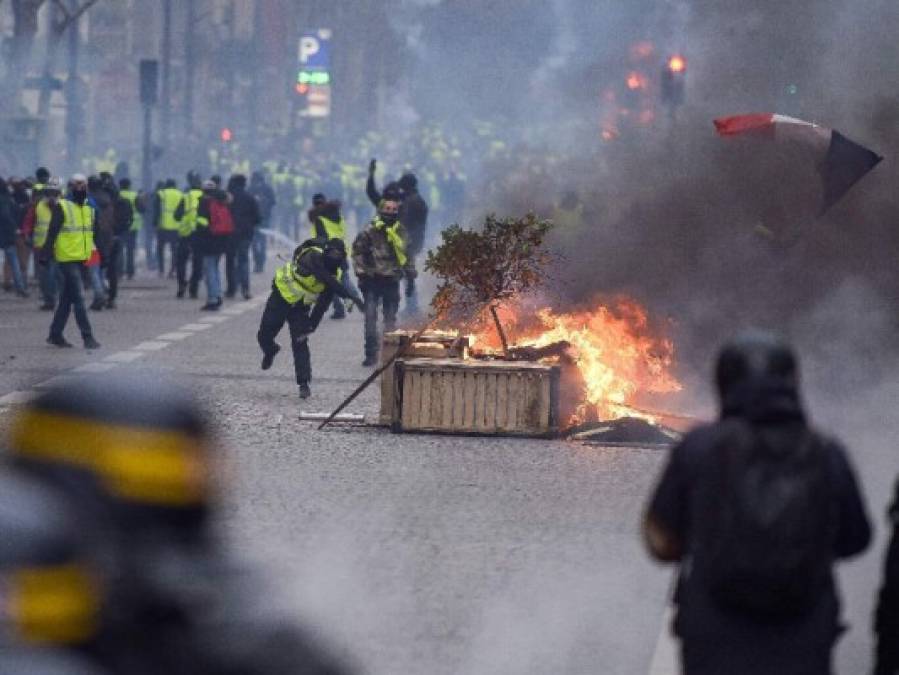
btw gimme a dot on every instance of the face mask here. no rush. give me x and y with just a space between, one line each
388 218
80 195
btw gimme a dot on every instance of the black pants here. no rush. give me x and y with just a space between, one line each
189 251
276 312
113 268
166 238
375 292
130 242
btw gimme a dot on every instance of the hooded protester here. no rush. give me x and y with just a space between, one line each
245 214
214 232
265 199
414 217
756 509
301 292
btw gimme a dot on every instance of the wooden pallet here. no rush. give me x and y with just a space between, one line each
496 398
434 345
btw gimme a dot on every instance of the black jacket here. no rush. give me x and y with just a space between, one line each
719 640
9 224
245 212
414 217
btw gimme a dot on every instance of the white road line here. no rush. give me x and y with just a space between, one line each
664 658
151 346
234 311
195 326
214 319
16 398
124 357
174 337
96 367
57 379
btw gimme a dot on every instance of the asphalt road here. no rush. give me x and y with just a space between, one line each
415 554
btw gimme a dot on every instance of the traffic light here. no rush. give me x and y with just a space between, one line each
674 79
226 135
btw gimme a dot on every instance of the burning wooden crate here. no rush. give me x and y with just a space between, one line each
457 396
432 344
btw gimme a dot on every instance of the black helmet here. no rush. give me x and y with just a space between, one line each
45 562
134 443
753 364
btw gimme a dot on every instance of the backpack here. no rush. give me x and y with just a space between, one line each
766 530
220 222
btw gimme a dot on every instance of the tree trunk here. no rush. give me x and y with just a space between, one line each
25 22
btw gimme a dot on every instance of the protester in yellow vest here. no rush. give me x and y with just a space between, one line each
188 248
327 223
380 261
168 201
43 213
70 240
301 292
137 208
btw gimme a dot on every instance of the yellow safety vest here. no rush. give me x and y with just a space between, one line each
42 215
169 199
395 238
137 222
333 229
75 241
191 204
295 288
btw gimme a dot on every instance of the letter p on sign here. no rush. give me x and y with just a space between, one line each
309 47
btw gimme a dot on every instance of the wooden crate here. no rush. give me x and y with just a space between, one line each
430 345
496 398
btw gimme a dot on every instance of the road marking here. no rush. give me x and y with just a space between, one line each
57 379
195 326
664 658
151 346
16 398
124 357
234 311
94 367
214 319
174 337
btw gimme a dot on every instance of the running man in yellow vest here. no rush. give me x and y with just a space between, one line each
168 201
328 223
301 292
70 240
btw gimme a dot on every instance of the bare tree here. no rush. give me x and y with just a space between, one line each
61 20
25 23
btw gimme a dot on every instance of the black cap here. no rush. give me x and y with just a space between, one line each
318 199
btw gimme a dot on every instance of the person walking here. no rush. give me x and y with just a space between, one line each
168 200
301 292
379 261
121 217
136 202
214 231
756 508
246 217
188 248
414 217
70 240
37 220
9 234
265 199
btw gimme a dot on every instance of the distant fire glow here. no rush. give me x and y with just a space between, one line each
636 81
677 64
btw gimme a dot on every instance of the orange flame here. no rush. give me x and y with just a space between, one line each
614 350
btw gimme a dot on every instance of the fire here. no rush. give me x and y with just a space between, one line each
616 355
